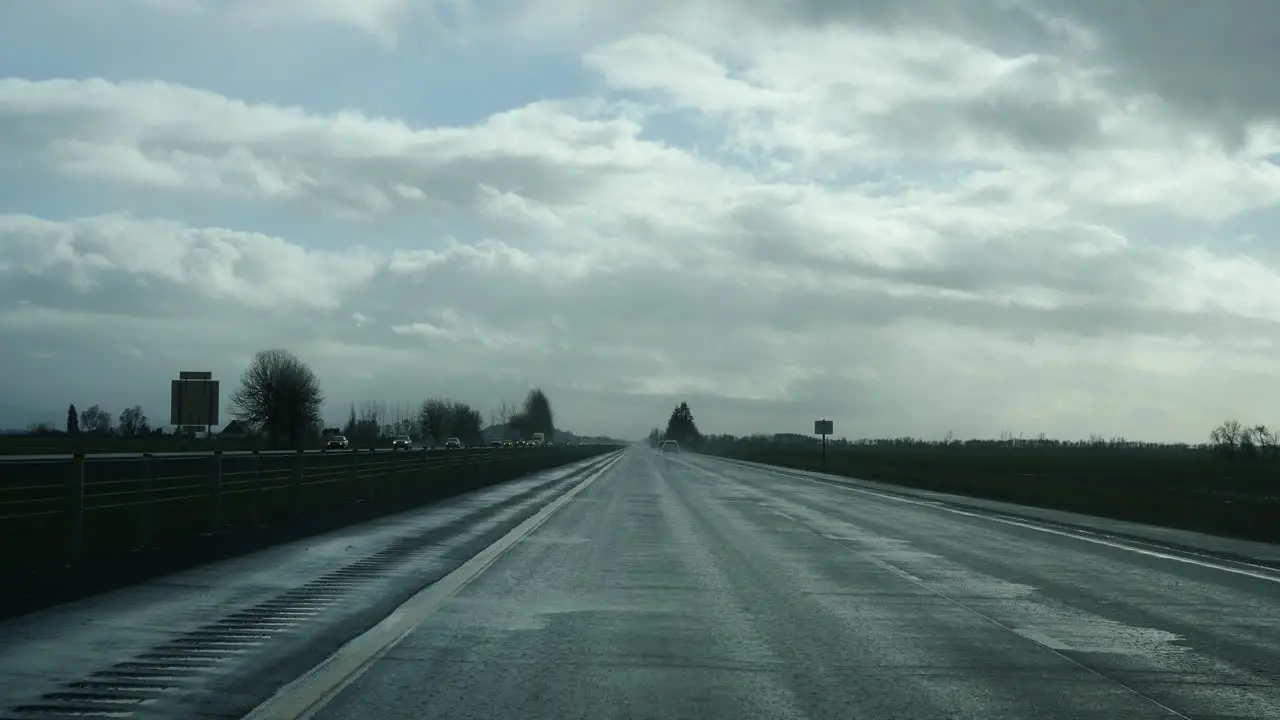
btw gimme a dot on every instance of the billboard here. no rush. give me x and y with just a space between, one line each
193 399
822 427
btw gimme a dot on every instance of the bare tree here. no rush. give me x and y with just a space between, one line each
1227 437
1265 438
536 415
95 420
368 425
441 418
133 422
279 394
433 420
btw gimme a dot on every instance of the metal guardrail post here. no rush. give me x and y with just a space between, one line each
75 508
215 494
297 485
392 480
146 526
370 488
255 502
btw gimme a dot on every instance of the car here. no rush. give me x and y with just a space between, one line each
453 444
401 442
670 447
507 444
337 442
495 444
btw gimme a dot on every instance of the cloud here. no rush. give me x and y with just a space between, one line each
913 221
381 20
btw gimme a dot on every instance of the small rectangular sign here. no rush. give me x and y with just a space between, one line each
822 427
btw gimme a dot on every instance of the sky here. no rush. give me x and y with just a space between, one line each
912 218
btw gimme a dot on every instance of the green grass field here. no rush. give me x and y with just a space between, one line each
1173 486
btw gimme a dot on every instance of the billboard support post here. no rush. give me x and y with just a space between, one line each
823 428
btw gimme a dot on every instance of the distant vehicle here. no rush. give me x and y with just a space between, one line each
495 444
453 444
670 447
507 444
337 442
538 439
401 441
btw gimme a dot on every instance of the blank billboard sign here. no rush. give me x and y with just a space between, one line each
822 427
194 402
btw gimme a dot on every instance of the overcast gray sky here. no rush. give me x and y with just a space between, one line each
1030 216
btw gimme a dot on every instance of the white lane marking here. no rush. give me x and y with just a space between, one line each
1038 637
307 695
1052 531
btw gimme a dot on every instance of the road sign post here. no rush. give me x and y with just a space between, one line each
823 428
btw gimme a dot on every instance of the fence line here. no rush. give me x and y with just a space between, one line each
111 503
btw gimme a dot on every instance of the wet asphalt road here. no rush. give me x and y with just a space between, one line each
697 588
214 641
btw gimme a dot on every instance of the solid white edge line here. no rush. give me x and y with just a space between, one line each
315 688
937 505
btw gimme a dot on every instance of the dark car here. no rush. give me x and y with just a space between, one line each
401 442
337 442
453 444
495 444
670 447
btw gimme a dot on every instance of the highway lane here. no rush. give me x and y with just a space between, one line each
696 588
216 640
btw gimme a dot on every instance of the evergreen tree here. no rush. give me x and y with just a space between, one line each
682 428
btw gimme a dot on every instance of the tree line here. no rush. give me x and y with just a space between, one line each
280 398
1231 440
95 421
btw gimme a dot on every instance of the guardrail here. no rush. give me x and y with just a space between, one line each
66 509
